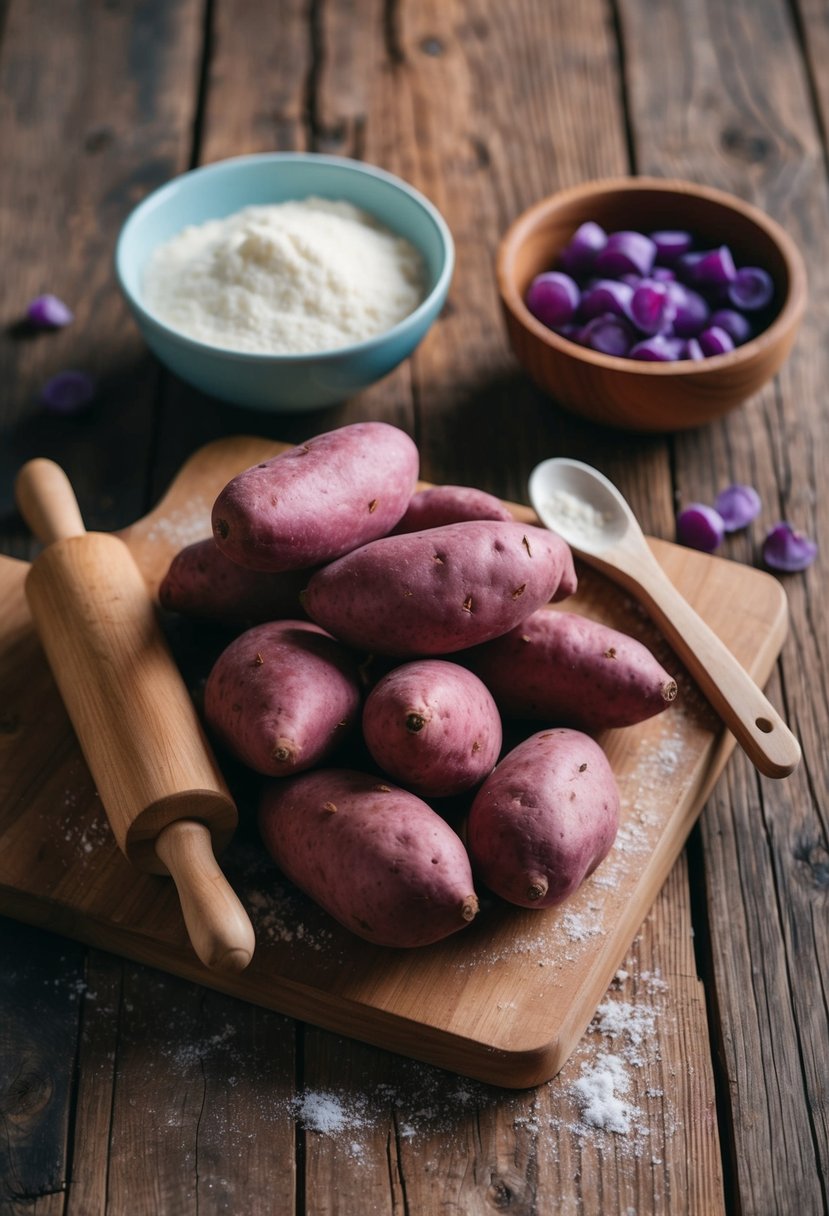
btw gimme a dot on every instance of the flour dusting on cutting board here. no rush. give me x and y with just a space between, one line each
183 525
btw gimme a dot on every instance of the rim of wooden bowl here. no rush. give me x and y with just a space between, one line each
787 319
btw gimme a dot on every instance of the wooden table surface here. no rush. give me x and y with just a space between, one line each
124 1090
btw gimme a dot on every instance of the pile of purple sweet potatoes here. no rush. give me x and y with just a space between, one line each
326 556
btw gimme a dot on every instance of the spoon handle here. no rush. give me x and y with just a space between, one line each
744 708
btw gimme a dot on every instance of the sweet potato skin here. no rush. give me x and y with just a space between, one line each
439 505
282 696
433 727
544 818
202 583
376 858
441 590
570 670
316 501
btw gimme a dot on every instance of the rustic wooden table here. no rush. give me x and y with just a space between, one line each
124 1090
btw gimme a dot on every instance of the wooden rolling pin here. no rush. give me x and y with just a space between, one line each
164 796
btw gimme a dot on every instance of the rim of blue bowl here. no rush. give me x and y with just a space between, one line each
158 196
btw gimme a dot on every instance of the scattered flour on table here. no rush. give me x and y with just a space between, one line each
599 1081
608 1096
599 1091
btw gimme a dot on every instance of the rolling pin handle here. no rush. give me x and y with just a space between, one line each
47 501
219 927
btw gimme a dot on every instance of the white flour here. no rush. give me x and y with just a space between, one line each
290 278
577 512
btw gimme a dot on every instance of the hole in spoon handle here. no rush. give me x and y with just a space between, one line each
742 705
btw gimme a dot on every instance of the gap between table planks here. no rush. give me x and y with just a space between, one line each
505 1000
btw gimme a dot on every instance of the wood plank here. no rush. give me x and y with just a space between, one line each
455 453
764 864
41 989
173 1112
92 117
480 341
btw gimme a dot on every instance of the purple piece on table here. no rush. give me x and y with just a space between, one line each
578 255
737 506
607 295
699 527
715 267
608 334
626 253
734 323
786 550
652 307
68 392
671 244
661 348
48 312
553 298
715 341
752 288
691 313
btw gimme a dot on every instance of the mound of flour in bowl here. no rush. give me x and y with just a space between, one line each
288 278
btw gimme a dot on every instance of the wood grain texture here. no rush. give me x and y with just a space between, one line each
487 107
37 1046
765 847
93 116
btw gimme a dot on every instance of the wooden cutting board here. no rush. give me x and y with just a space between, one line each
504 1001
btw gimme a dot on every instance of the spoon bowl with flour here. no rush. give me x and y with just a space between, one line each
589 513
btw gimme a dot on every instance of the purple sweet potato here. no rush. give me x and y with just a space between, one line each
439 505
572 671
282 696
375 857
318 500
204 584
544 818
432 726
441 590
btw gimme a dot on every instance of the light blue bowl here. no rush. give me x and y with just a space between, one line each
282 383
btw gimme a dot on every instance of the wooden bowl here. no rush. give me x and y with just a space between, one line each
626 393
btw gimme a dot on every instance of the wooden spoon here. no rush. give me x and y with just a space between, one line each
588 512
